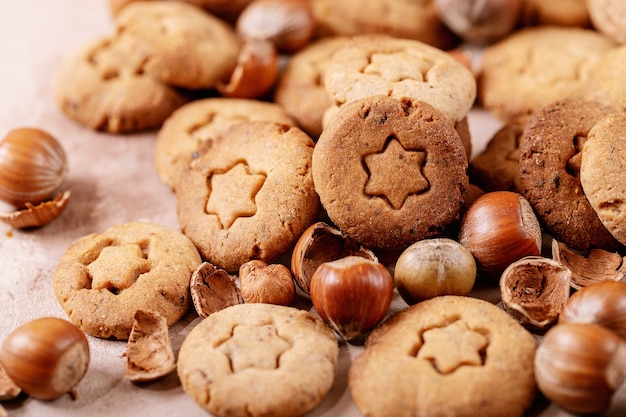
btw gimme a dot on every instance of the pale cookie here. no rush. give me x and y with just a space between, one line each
410 19
390 172
187 47
102 279
382 65
193 127
250 195
104 87
609 17
606 83
254 360
537 66
226 9
447 356
300 88
602 173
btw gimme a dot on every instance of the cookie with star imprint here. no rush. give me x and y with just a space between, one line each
390 172
446 356
250 195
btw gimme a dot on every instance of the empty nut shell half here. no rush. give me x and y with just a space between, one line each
37 215
534 291
212 289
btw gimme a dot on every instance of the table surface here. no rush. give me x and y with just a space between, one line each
113 181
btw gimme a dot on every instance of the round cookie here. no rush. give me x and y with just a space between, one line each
303 77
602 170
102 279
390 172
607 83
253 360
193 127
558 13
381 65
536 66
447 356
410 19
103 87
609 17
549 164
250 195
225 9
187 47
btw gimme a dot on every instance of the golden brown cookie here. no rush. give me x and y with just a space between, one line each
536 66
555 12
226 9
253 360
382 65
104 87
192 128
447 356
300 88
602 171
102 279
609 17
410 19
186 46
549 164
250 195
390 172
606 83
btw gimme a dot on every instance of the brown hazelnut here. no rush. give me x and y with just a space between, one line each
212 289
8 388
263 283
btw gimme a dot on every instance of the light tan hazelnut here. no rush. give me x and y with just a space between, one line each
212 289
263 283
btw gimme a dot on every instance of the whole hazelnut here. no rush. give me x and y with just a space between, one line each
266 283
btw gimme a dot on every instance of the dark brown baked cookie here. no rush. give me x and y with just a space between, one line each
390 172
250 195
550 154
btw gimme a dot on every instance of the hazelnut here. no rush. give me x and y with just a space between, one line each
212 289
45 357
499 228
579 366
433 267
321 243
352 295
8 388
263 283
534 290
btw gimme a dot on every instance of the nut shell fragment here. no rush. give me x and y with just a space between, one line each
212 289
534 290
596 266
37 215
149 354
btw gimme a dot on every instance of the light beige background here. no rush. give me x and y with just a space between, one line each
113 181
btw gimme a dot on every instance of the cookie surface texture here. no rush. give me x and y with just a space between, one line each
609 17
188 47
550 155
390 172
536 66
103 86
250 196
195 125
104 278
447 356
606 85
382 65
602 172
252 360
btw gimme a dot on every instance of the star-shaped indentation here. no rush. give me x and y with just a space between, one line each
233 194
395 173
254 347
452 346
117 267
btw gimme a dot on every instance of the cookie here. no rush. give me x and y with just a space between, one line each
607 83
609 17
186 46
496 168
103 86
382 65
447 356
225 9
102 279
253 360
193 127
602 170
303 76
250 195
549 167
411 19
536 66
390 172
559 13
